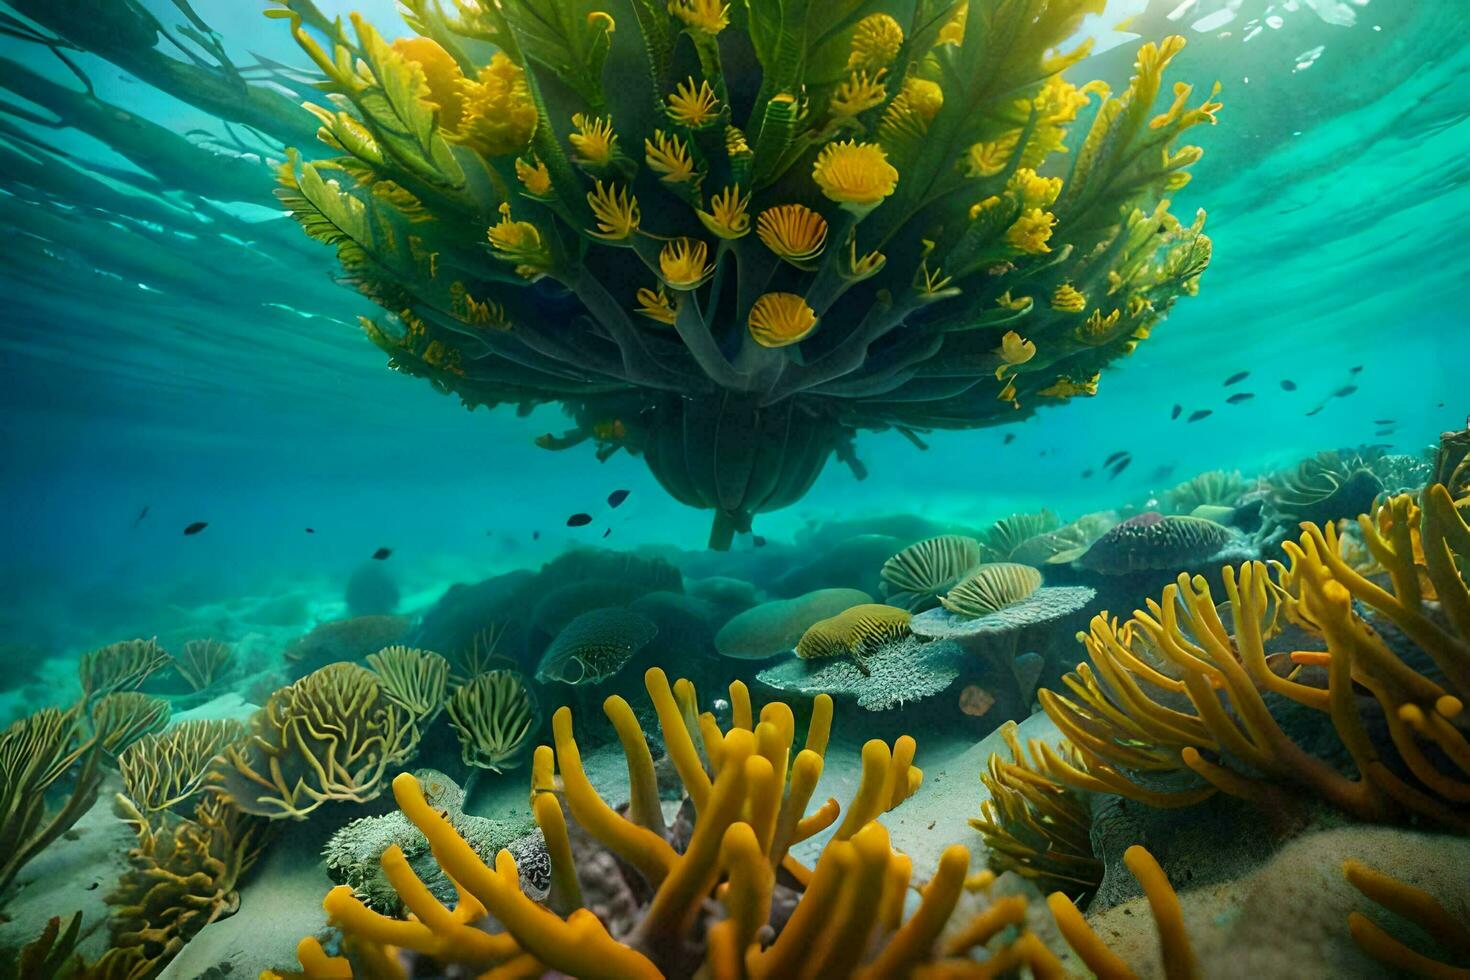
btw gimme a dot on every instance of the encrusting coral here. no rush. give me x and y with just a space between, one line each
1193 697
990 588
333 735
910 241
595 645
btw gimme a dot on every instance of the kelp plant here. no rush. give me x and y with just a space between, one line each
555 205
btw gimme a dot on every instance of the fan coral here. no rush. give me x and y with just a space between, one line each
1128 716
166 770
595 646
918 575
898 672
854 633
184 875
203 662
902 222
414 680
1010 534
42 749
120 666
1327 487
1216 488
992 587
1035 826
353 854
1153 542
493 714
775 627
333 735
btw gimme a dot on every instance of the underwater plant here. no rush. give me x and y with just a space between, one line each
64 748
120 666
1192 698
415 680
167 769
913 263
331 736
494 714
203 662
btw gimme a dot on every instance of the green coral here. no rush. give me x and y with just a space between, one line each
760 247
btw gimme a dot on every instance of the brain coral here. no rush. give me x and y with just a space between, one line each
774 627
731 265
1153 542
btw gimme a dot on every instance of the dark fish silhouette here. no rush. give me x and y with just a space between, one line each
1344 391
1115 457
616 497
1177 410
1355 369
1315 410
1385 421
1202 413
1384 432
1010 438
196 527
141 514
1236 378
311 530
1288 385
1086 474
606 532
579 520
1120 468
757 540
382 554
535 535
1243 396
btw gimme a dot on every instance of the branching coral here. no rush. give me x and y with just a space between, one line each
1194 696
166 770
1418 907
40 750
906 217
414 680
120 666
184 875
333 735
203 662
494 714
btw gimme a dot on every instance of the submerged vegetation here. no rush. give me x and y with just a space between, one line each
915 263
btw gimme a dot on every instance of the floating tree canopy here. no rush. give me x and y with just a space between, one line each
728 237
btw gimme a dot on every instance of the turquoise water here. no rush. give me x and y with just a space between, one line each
174 350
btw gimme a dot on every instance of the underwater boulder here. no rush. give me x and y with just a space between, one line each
562 605
371 591
726 595
899 672
685 625
775 627
343 639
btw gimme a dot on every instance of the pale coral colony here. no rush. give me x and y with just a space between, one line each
776 225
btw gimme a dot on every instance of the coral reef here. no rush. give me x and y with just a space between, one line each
774 627
167 770
904 230
120 667
1217 488
415 680
1046 605
898 672
916 577
204 662
854 633
353 854
1154 542
1325 488
990 588
595 646
494 714
333 735
1011 535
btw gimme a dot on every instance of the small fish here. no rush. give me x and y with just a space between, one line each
1384 432
1315 410
1385 422
311 530
1238 397
757 540
579 520
1178 409
1120 468
535 535
1115 457
196 527
141 514
1010 438
1202 413
1236 378
382 554
606 532
1344 391
616 497
1087 474
1288 385
1355 369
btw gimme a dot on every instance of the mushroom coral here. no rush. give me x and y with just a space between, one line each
1175 691
549 216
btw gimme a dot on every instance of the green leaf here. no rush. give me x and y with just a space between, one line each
570 38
